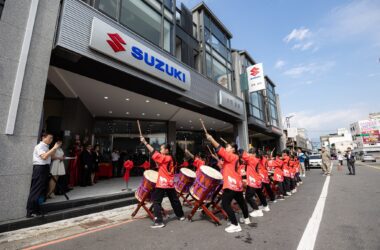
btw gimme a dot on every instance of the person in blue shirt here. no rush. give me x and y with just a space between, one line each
301 157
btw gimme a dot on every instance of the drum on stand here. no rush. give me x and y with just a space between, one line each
185 179
206 183
147 185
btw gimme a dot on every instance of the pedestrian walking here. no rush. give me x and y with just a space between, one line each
307 162
350 161
326 162
40 177
340 161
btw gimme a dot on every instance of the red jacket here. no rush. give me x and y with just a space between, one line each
253 177
285 166
263 170
165 170
197 164
231 178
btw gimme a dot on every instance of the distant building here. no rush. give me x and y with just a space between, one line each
298 138
337 142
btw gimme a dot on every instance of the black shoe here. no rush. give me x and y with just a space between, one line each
349 174
33 215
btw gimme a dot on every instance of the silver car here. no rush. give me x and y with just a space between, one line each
315 160
368 158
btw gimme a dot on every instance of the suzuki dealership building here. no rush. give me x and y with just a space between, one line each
90 69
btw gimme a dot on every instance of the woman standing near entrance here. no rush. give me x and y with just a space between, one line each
57 168
165 183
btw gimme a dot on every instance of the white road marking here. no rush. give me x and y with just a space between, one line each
309 236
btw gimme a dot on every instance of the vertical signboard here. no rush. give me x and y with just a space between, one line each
256 79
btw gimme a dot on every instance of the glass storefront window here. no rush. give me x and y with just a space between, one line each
256 104
220 74
218 46
218 33
273 113
207 36
207 21
208 65
109 7
168 4
167 35
142 19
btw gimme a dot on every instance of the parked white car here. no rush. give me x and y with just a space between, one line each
315 160
368 158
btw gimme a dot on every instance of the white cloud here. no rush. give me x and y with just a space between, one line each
311 68
301 38
279 64
297 35
326 121
358 19
303 46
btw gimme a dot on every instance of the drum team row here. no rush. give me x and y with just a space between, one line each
242 176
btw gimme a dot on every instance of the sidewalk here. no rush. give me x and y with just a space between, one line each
102 187
28 237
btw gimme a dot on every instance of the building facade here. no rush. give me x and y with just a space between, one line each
366 136
298 138
90 69
262 107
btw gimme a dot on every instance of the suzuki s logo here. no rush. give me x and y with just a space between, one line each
255 71
116 42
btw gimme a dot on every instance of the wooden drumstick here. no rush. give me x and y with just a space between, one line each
225 142
138 125
271 153
203 125
209 149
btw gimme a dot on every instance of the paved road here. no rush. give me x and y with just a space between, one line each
351 220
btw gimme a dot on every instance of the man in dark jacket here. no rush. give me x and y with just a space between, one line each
87 162
350 161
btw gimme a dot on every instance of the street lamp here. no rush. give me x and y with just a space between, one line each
288 120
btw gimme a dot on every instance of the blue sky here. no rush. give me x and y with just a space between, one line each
324 56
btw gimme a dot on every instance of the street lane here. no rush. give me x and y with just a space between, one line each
352 214
282 228
350 221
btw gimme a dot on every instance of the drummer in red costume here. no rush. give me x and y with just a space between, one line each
278 177
286 171
263 171
197 160
165 183
232 184
254 183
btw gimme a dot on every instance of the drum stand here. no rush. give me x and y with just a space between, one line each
185 198
143 204
201 204
216 208
149 210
